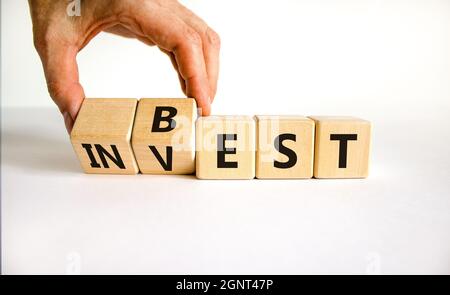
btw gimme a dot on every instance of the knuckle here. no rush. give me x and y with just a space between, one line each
213 38
39 43
55 89
42 41
192 37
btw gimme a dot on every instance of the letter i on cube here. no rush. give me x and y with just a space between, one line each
159 136
101 135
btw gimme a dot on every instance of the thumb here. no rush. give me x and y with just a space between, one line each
61 73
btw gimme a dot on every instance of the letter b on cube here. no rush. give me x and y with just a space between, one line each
163 135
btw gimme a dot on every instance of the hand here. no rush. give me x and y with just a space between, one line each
192 46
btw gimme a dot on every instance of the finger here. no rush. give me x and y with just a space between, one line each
61 73
211 46
127 32
120 30
145 40
212 56
172 34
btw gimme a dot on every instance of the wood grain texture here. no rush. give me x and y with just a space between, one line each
101 135
175 146
333 136
295 133
235 158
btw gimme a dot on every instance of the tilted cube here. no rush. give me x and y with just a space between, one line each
163 137
101 135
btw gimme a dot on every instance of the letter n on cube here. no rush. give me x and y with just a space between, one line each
101 135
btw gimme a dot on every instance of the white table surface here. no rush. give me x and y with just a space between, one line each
56 219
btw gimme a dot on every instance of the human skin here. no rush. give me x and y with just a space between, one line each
191 44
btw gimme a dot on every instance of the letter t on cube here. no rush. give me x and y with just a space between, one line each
163 135
342 147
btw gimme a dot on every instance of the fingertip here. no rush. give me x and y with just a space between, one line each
75 106
197 88
70 105
68 121
182 84
212 88
203 108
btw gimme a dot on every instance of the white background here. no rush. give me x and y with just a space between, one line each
301 57
386 61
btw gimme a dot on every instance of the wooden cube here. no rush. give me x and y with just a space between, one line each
342 147
284 147
225 147
163 135
101 135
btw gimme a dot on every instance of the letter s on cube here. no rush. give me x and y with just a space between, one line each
285 147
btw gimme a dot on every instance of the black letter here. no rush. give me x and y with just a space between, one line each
343 138
166 165
222 151
116 159
292 156
158 118
88 149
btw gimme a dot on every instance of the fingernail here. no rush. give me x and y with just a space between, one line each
199 112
